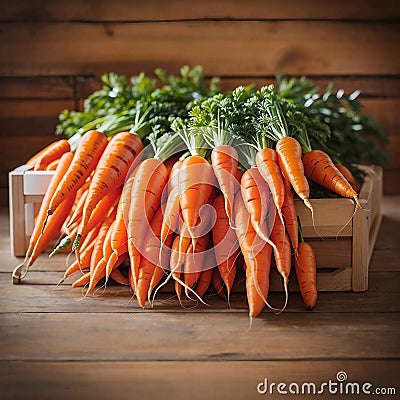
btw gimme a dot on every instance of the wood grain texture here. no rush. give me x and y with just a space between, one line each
218 336
202 380
154 10
41 87
38 293
289 47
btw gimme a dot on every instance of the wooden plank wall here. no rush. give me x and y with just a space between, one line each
53 52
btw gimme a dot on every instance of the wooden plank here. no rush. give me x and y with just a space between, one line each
38 87
290 47
218 336
38 293
202 380
122 10
32 126
17 108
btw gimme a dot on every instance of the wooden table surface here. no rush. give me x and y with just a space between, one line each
54 344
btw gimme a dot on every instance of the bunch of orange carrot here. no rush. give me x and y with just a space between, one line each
188 205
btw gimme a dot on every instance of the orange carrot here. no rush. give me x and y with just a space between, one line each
290 216
60 172
119 235
257 255
53 165
99 270
196 180
256 196
319 167
52 153
117 275
204 280
306 272
52 228
110 173
289 157
194 261
172 207
224 160
150 260
97 253
348 175
267 164
150 180
282 253
39 238
226 246
82 281
87 155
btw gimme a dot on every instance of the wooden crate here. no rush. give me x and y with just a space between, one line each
343 240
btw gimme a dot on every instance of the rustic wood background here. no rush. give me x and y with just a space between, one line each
52 54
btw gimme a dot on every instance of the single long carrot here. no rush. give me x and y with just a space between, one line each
87 155
258 262
226 245
289 157
53 152
110 173
319 167
306 272
256 196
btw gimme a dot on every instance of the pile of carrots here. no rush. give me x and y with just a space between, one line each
190 204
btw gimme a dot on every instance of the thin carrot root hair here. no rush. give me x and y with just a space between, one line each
171 274
348 222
